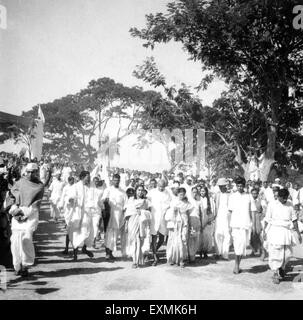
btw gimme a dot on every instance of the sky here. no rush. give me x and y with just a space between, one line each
53 48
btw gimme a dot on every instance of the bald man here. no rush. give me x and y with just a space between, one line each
160 201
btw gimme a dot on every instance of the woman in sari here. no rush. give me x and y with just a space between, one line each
137 216
207 218
177 217
195 225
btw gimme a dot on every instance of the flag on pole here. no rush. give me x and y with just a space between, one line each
37 141
41 115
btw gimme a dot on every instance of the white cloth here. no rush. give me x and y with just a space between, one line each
241 239
160 202
222 233
280 222
117 201
43 173
56 189
22 246
297 197
268 194
66 172
81 222
95 200
240 205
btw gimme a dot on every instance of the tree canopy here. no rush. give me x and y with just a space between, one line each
253 46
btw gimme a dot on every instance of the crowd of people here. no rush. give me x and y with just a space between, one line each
139 212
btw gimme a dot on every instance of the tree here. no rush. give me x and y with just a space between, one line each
64 126
252 46
73 121
24 134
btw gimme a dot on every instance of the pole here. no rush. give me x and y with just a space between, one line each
99 126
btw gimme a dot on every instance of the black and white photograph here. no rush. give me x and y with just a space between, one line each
151 150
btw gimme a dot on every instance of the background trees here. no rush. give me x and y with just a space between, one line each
252 46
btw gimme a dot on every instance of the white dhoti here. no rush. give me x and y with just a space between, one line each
68 214
83 232
278 256
22 248
241 239
222 241
54 210
96 220
111 240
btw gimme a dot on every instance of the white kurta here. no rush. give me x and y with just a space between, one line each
66 172
117 200
96 205
67 208
22 246
160 202
222 233
56 189
279 236
240 222
81 222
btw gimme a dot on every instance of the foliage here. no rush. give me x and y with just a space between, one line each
252 46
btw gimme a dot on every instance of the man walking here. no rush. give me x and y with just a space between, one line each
115 198
28 192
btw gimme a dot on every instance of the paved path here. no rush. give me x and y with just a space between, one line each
56 277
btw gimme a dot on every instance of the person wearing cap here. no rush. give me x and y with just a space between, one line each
239 205
280 220
222 220
55 189
28 192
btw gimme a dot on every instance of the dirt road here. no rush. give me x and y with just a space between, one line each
55 276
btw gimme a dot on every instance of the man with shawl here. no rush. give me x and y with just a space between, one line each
28 192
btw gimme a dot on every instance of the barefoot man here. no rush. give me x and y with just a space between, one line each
240 223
